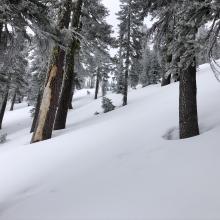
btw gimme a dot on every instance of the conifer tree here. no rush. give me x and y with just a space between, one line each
183 55
50 98
130 44
68 79
90 25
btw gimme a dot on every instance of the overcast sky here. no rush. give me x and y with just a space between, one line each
113 7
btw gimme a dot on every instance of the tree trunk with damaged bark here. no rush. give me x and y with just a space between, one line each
50 98
36 112
61 116
68 80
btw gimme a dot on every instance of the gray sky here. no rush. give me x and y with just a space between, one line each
113 7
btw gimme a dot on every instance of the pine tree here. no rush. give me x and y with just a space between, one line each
183 55
13 68
107 105
90 28
68 79
152 71
53 83
130 45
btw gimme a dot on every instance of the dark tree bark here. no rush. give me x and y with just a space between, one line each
120 69
166 80
13 101
70 101
91 82
50 98
71 97
188 117
127 62
1 28
19 99
3 107
36 113
97 84
61 116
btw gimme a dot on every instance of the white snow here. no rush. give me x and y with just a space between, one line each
116 166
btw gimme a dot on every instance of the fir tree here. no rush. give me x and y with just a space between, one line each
53 83
130 45
107 105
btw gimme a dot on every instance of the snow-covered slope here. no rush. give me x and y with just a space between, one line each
116 166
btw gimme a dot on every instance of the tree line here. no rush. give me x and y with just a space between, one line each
69 48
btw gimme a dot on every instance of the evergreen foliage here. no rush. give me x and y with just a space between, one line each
107 105
3 138
70 48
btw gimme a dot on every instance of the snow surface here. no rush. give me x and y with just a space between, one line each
116 166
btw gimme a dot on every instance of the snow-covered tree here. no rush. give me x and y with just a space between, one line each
52 89
13 74
182 47
130 41
89 21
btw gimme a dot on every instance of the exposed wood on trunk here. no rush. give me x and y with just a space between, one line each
37 109
50 98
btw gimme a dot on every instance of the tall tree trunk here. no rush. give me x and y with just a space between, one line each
13 101
91 82
50 98
166 80
104 88
3 107
19 99
97 85
71 98
127 62
1 28
120 69
188 117
61 116
36 112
